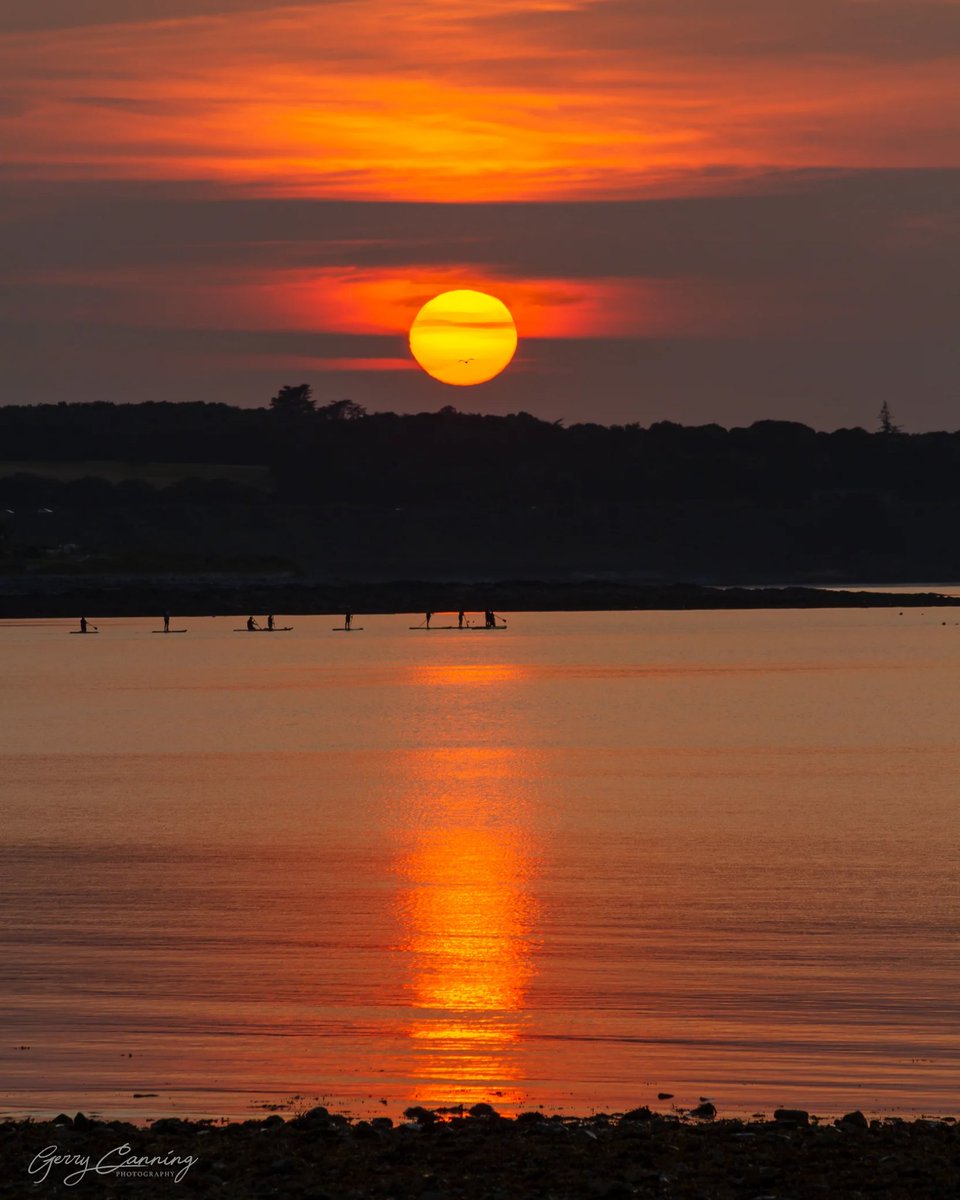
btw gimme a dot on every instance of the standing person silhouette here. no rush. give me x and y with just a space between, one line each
460 619
166 622
83 624
270 622
428 616
347 620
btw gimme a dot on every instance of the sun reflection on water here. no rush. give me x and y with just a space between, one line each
467 915
460 674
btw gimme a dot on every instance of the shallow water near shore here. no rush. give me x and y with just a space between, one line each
587 859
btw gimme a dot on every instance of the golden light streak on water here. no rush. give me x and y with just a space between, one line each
467 912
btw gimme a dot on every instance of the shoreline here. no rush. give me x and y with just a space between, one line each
480 1155
32 597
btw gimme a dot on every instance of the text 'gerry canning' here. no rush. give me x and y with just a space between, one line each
119 1161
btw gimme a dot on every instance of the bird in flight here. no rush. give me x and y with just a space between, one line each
465 360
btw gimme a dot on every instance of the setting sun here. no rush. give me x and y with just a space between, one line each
463 337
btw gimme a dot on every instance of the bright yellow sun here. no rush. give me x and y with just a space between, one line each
463 337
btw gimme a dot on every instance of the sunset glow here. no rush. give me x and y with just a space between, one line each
621 176
538 100
564 394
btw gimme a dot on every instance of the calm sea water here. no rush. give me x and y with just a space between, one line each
575 863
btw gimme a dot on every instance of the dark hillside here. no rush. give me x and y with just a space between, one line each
455 495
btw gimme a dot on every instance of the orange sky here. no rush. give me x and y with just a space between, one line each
230 101
492 100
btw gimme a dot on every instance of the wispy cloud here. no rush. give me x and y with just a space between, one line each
492 100
33 15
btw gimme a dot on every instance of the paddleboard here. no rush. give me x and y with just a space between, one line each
276 629
168 631
344 629
83 632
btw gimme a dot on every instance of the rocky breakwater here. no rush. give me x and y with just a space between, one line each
480 1155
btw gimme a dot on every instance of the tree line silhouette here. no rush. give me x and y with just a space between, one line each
339 493
338 453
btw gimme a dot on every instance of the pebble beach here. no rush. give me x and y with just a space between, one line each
480 1155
